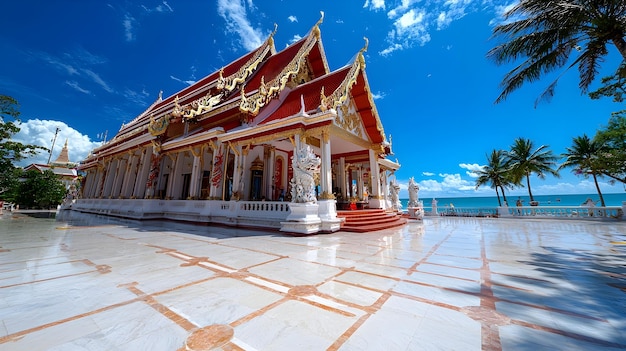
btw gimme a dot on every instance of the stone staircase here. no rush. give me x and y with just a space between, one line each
362 221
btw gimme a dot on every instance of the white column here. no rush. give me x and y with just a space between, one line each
110 178
270 172
196 170
237 175
244 173
359 183
376 200
173 175
326 171
129 175
217 173
143 170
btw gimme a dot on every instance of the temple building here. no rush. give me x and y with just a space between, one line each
273 139
62 167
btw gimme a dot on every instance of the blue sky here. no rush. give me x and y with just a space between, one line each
89 66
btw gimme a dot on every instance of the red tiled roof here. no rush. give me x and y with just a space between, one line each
311 93
273 66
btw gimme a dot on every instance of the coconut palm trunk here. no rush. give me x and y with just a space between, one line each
504 195
595 180
530 193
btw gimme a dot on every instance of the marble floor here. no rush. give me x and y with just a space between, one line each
83 282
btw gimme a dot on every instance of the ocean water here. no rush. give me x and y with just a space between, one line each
544 200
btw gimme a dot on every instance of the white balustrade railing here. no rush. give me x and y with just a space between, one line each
614 212
462 211
609 212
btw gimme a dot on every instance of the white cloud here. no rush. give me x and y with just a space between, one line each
500 10
374 4
137 98
390 49
41 132
235 14
77 87
128 24
188 82
413 20
428 174
292 18
295 38
378 96
471 169
97 79
163 7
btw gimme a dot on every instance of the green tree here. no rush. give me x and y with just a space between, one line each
495 173
40 190
583 156
11 151
612 161
544 34
525 161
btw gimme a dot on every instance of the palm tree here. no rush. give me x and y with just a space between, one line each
495 173
583 157
523 162
545 33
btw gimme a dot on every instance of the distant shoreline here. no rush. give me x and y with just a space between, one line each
612 199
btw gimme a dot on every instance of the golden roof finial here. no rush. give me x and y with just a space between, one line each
270 39
316 27
367 42
361 57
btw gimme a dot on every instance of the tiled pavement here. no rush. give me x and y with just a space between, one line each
94 283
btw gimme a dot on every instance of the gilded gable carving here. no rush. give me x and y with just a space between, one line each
349 119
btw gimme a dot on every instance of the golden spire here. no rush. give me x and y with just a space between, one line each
316 27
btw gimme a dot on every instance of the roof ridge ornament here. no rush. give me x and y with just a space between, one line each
340 95
316 28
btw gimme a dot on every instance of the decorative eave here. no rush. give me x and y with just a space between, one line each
125 146
186 141
389 164
225 85
252 134
252 104
342 93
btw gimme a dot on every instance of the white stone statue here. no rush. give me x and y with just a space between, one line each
413 190
394 192
305 165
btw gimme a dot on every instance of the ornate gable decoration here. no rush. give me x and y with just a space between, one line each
341 94
225 85
231 82
158 126
348 118
297 69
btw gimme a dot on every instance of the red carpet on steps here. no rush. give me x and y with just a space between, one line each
362 221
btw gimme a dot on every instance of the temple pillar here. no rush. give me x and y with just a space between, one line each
327 203
110 178
377 200
268 171
359 183
196 171
143 170
237 175
88 187
171 180
343 179
119 178
242 179
385 188
217 173
129 176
